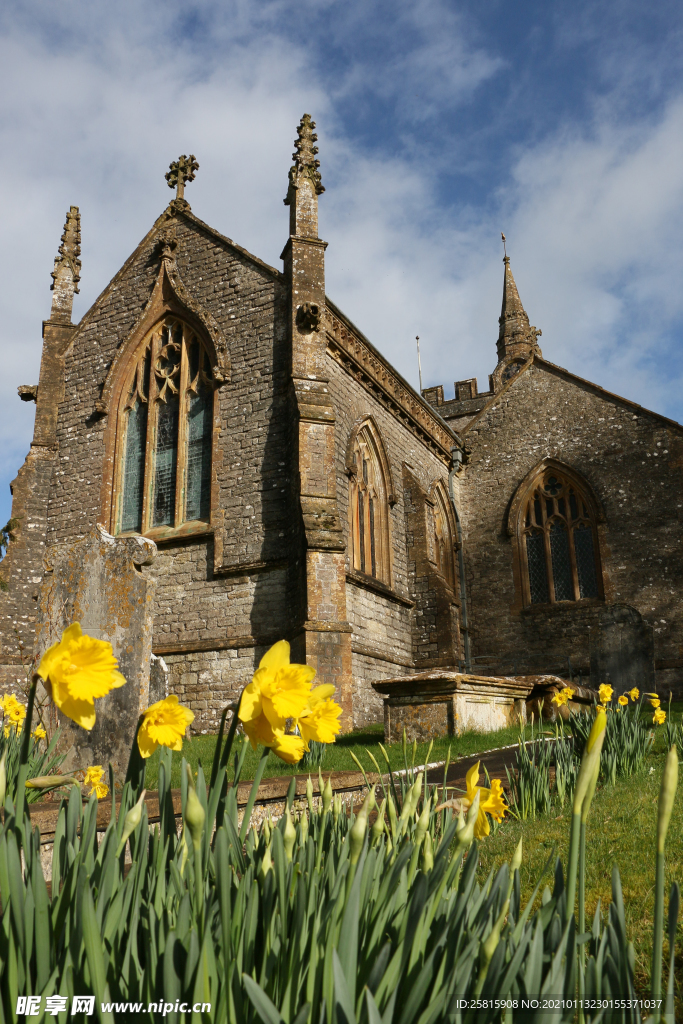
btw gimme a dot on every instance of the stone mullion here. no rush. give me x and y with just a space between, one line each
572 562
183 415
548 553
148 497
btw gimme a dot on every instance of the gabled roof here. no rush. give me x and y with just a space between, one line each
545 364
159 222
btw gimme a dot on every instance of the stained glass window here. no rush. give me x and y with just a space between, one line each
165 463
368 507
560 551
134 468
199 456
585 561
165 475
538 574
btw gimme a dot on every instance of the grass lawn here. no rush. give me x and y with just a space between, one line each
338 755
621 830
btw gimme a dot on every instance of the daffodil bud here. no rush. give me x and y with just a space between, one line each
194 817
265 866
51 781
464 834
303 824
336 807
412 796
3 779
666 796
186 851
590 762
393 820
289 835
516 862
131 822
327 796
378 827
427 853
266 831
357 833
423 823
372 801
309 795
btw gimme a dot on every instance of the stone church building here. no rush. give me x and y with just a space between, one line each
297 486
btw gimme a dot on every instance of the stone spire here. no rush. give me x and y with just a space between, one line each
67 272
305 183
517 339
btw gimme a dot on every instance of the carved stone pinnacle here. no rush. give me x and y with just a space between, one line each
305 163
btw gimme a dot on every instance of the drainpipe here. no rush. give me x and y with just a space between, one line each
456 455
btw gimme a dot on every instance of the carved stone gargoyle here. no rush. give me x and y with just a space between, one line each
308 317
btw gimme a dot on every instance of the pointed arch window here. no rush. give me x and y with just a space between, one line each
558 541
441 541
369 506
165 433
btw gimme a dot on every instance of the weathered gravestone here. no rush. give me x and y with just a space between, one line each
622 651
96 581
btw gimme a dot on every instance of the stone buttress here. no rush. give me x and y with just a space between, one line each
322 637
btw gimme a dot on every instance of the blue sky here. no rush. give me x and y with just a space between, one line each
440 124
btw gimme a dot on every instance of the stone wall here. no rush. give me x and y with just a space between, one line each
213 613
387 626
633 462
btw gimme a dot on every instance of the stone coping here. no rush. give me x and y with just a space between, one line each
436 682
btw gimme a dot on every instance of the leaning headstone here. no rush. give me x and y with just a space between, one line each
96 581
622 650
158 679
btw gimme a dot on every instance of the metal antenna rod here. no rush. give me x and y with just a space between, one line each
419 364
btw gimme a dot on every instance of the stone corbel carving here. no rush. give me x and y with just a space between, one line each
28 392
308 317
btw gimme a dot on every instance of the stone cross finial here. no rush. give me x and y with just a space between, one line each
67 269
180 171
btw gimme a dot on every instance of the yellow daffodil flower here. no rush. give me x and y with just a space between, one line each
491 801
79 669
655 701
623 700
39 732
634 694
164 724
560 699
93 778
605 692
93 775
14 713
320 719
278 691
659 717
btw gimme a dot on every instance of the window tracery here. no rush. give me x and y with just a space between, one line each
558 541
368 507
165 431
441 541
